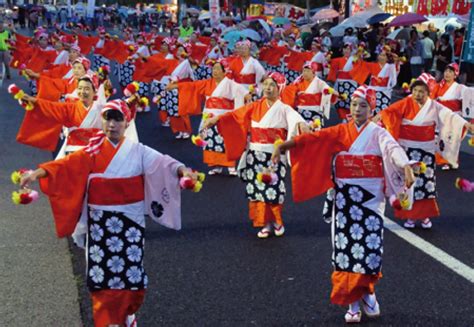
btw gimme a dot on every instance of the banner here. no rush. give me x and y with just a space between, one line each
214 11
468 46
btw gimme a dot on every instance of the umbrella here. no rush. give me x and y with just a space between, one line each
463 20
280 21
400 34
377 18
303 21
265 26
339 30
232 37
327 13
193 11
205 15
443 23
251 34
408 19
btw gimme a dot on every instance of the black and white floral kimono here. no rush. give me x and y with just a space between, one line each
383 84
315 101
279 122
138 181
364 175
97 59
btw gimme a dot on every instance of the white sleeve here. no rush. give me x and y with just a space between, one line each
162 190
451 128
292 120
238 93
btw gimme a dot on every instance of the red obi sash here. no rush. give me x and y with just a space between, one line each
116 191
359 166
344 75
219 103
81 136
306 99
454 105
417 133
245 78
379 81
267 135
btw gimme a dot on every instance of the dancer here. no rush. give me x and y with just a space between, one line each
111 223
413 121
267 121
221 96
310 95
366 165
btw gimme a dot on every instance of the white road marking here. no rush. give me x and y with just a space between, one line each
431 250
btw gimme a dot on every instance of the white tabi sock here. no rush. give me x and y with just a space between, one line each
370 299
354 307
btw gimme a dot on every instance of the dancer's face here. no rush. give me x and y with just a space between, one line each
360 110
217 72
86 92
78 70
308 74
449 75
420 94
270 89
114 125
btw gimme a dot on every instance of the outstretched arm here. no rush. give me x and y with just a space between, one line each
29 178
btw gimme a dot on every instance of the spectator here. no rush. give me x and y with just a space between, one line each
444 55
458 40
326 39
185 30
428 49
415 53
433 33
349 37
4 49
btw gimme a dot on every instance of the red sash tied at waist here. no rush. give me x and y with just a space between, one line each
344 75
116 191
359 166
417 133
245 78
454 105
81 136
378 81
306 99
219 103
267 135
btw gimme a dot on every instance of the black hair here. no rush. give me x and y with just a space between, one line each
113 114
86 79
426 33
419 83
220 64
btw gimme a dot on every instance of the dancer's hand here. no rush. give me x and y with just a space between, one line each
171 86
409 176
28 98
376 118
303 128
470 128
28 178
208 123
248 98
276 155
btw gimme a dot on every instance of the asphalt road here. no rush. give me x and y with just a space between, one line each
215 272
